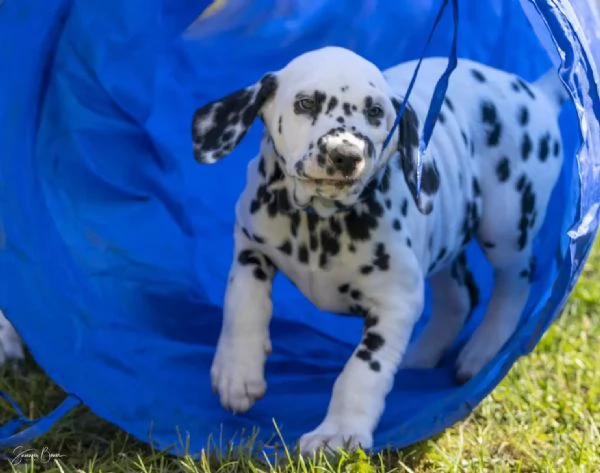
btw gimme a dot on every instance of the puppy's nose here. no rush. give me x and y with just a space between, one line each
345 160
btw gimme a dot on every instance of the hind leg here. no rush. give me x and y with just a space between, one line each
454 295
506 305
509 296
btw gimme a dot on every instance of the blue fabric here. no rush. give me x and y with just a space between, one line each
115 244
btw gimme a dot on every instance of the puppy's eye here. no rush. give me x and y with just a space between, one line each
305 104
375 111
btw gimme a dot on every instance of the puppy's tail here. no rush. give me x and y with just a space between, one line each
551 85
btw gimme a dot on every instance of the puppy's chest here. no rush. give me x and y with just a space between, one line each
325 258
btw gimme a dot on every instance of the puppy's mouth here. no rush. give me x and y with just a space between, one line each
337 183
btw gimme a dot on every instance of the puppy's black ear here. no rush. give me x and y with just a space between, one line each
219 126
408 148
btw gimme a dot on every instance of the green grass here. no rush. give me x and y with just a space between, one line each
544 416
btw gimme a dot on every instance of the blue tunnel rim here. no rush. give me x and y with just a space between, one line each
550 16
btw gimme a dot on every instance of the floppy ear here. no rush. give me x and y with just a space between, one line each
408 146
219 126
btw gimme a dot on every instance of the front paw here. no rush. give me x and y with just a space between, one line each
237 371
334 435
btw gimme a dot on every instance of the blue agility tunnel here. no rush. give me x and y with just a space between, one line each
115 244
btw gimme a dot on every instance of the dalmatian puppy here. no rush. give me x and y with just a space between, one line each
11 347
342 219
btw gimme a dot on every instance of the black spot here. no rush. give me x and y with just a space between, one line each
464 137
294 223
363 354
503 169
388 203
370 320
470 222
344 288
409 243
396 224
476 187
529 273
523 115
384 185
441 118
373 341
489 116
340 119
382 258
279 127
404 208
356 294
544 150
526 147
441 254
359 225
375 366
478 75
449 104
303 254
525 188
247 233
286 247
556 148
526 88
333 101
430 178
254 206
347 109
344 88
367 269
488 113
261 167
489 245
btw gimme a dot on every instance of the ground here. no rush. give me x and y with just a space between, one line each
544 416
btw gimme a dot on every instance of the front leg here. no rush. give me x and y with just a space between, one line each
359 393
237 371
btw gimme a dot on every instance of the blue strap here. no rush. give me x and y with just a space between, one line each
12 436
439 91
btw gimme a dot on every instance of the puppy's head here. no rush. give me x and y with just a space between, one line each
328 113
